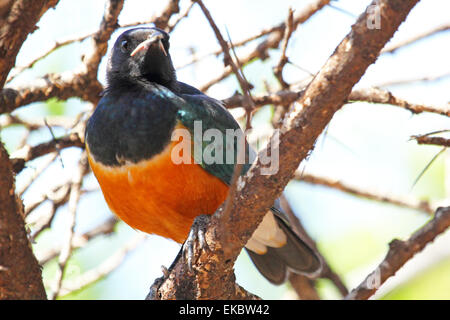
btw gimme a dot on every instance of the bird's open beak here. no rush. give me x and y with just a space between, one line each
155 38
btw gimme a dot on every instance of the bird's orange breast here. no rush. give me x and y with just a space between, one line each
158 196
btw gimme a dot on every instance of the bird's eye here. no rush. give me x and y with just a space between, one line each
124 45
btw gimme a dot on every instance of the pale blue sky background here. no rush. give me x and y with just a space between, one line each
366 145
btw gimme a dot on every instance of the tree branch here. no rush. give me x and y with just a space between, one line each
372 95
437 141
376 95
405 202
400 252
273 41
28 153
21 21
20 274
421 36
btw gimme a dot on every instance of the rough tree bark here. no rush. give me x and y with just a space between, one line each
20 274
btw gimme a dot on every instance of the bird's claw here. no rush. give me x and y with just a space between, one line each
195 238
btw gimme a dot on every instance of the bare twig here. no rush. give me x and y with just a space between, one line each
373 95
437 141
275 29
36 173
400 252
394 47
28 153
56 45
80 241
228 60
272 42
408 81
180 17
278 69
66 250
376 95
420 205
100 39
21 21
105 268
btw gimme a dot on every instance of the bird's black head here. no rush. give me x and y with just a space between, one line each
140 55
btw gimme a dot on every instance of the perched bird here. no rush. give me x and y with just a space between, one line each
130 147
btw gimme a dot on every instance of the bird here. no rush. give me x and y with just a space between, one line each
130 146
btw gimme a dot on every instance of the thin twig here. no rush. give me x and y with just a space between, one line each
66 250
102 270
28 153
228 60
180 17
278 69
272 42
376 95
373 95
400 252
80 241
437 141
36 173
408 81
410 203
401 44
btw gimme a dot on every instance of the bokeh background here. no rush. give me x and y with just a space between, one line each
365 145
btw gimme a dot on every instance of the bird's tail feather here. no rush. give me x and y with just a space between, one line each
295 256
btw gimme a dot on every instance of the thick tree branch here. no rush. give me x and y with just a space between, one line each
20 274
21 20
213 275
400 252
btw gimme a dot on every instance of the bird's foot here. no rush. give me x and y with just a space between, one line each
195 238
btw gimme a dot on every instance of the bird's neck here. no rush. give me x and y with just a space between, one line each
140 83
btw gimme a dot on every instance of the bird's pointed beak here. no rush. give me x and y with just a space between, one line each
155 38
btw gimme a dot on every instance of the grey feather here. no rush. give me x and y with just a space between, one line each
295 256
